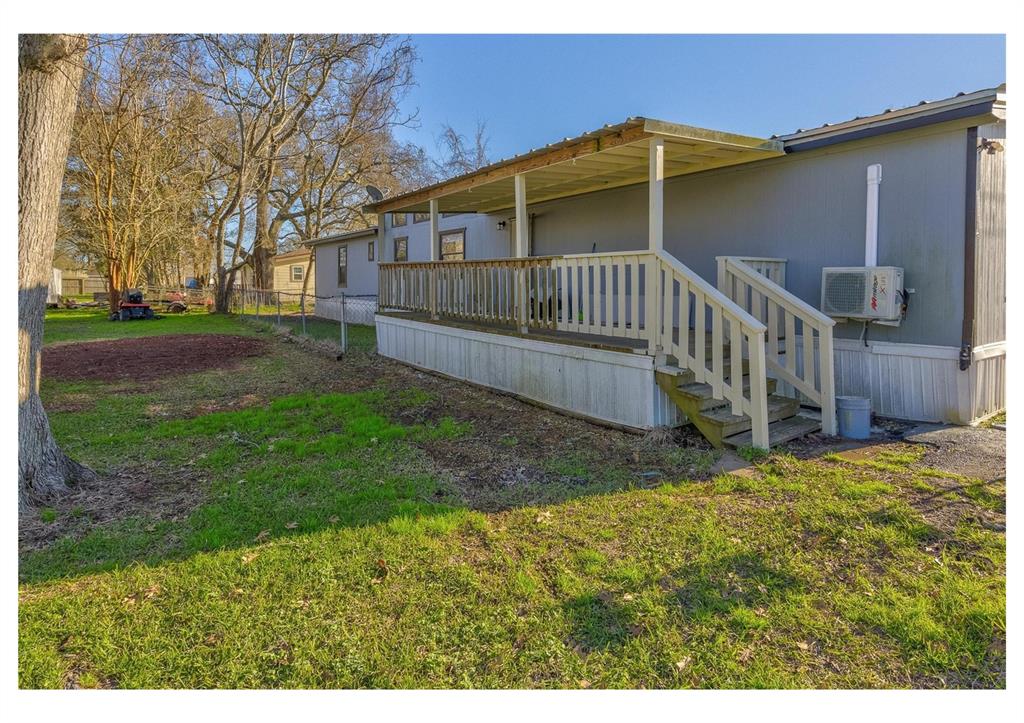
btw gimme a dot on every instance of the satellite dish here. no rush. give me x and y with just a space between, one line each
374 193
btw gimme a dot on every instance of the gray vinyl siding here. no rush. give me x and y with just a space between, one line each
807 207
362 273
990 254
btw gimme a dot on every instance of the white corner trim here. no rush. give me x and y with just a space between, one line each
987 351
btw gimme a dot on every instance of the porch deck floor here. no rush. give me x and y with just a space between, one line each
593 341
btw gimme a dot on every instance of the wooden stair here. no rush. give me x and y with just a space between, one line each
714 417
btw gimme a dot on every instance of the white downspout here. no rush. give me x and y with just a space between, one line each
871 221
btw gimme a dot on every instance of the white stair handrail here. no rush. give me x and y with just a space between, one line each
814 377
732 329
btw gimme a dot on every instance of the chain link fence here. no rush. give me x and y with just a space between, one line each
347 320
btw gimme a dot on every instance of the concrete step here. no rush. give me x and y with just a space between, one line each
726 424
701 395
779 432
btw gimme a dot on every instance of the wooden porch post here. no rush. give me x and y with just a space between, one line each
433 230
656 244
434 255
656 196
522 221
522 251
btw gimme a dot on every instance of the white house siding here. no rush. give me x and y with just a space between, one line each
612 387
484 240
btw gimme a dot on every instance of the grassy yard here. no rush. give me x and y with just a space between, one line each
301 522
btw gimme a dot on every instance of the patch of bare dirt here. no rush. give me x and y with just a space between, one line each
520 453
148 358
142 491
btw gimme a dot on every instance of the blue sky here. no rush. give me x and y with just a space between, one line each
532 90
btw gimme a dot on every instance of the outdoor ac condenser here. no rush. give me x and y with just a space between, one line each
866 293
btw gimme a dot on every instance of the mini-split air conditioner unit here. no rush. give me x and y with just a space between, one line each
863 293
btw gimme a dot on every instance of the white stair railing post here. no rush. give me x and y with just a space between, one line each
758 391
828 383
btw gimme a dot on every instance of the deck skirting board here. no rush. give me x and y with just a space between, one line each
916 381
617 388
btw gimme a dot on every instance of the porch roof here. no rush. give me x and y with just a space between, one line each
609 157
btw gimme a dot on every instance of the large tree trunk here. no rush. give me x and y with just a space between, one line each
49 74
263 248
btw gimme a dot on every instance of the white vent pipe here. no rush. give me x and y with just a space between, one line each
871 221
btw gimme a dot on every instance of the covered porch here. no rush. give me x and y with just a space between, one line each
658 343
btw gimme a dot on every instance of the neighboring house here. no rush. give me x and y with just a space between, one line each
346 263
594 222
290 270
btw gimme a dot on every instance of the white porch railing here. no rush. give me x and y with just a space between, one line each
750 283
685 316
603 293
516 292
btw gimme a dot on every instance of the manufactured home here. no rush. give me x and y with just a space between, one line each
650 273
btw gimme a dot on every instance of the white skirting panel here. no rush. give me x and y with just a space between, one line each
917 382
605 386
988 380
358 309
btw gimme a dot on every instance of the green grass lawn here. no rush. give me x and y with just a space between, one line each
64 325
316 542
360 338
69 325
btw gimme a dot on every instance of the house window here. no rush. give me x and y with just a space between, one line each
402 248
420 217
369 251
342 266
297 272
453 245
398 219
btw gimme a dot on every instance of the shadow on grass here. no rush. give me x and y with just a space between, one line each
734 587
301 464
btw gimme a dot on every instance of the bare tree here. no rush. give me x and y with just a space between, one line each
132 185
286 96
461 155
49 75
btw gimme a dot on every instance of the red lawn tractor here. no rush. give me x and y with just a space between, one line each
133 307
